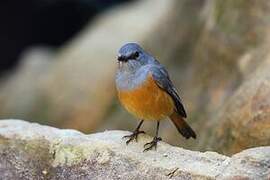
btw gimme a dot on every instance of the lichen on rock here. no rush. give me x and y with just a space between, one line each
32 151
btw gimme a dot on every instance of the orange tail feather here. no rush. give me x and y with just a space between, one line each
182 126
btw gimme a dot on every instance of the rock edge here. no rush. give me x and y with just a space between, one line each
33 151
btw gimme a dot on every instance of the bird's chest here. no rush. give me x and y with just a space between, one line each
146 101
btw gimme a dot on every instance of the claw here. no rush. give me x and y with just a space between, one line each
133 136
152 144
146 144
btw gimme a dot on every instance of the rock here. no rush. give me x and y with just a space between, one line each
32 151
226 55
231 89
240 165
244 120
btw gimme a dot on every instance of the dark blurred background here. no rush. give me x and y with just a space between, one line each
43 22
57 65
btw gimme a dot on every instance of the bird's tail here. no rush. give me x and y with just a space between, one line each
182 126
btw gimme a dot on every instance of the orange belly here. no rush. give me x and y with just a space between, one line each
147 101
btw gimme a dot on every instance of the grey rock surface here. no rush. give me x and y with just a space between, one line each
33 151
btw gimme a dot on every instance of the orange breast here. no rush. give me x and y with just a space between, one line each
147 101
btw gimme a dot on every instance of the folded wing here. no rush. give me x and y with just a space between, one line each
162 79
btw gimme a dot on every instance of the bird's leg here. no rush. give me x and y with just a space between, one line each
153 143
135 134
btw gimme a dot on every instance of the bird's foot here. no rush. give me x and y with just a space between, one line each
133 136
152 144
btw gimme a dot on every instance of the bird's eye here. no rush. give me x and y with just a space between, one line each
136 54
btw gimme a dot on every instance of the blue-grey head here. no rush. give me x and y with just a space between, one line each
131 57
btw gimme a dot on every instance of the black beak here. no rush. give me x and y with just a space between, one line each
121 58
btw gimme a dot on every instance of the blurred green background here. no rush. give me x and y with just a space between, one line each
58 60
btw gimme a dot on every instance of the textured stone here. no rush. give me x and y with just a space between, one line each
32 151
233 44
216 53
244 120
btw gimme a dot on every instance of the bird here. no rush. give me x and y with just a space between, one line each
146 91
